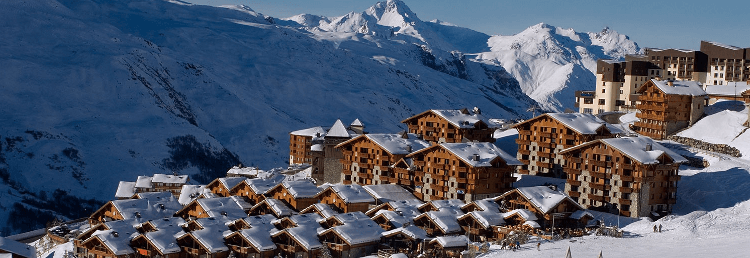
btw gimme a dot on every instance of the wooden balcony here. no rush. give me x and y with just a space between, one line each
574 194
626 178
626 190
624 201
524 152
336 247
524 142
574 182
596 198
571 171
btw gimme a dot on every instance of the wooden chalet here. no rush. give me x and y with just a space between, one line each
231 207
301 142
346 198
355 239
736 91
299 242
222 186
479 225
389 220
204 243
255 239
137 209
322 209
541 138
274 207
547 205
16 249
407 239
162 243
405 206
447 246
633 175
367 159
439 223
488 204
668 106
451 126
436 205
106 240
297 194
345 218
254 190
465 171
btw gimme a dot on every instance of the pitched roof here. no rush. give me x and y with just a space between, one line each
305 235
396 144
323 209
232 207
17 248
488 204
364 231
460 118
147 209
580 214
190 193
262 185
125 189
311 220
117 242
690 88
446 220
338 130
487 153
486 218
231 182
395 218
388 192
312 131
444 204
165 238
583 123
348 217
143 182
357 123
635 148
278 207
212 238
411 230
351 193
169 179
523 213
301 188
244 171
451 241
259 233
730 89
542 197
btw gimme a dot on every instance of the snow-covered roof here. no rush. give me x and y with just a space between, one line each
277 206
259 237
451 241
212 238
395 144
442 204
542 197
411 230
125 189
169 179
244 171
730 89
143 182
215 222
351 217
730 47
17 248
155 196
324 209
487 153
388 193
356 122
365 231
532 224
488 204
301 188
231 207
396 218
338 130
231 182
458 118
165 238
316 147
486 218
635 148
580 214
310 220
446 219
116 241
352 193
262 185
147 209
190 193
264 221
306 236
583 123
691 88
312 132
523 213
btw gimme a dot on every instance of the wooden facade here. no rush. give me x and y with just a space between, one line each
661 114
559 213
242 247
243 189
365 162
437 173
289 246
143 247
95 248
541 138
340 248
193 248
107 212
280 192
435 128
601 177
335 201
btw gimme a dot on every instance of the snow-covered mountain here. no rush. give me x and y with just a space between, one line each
551 63
98 91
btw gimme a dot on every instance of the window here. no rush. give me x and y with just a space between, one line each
603 90
601 101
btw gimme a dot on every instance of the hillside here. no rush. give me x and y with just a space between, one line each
99 91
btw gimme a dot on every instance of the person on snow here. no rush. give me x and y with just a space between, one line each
659 228
654 228
537 246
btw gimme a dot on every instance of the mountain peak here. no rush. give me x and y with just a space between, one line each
394 13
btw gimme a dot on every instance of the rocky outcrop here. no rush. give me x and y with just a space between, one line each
698 144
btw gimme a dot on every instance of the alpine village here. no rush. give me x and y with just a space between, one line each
442 188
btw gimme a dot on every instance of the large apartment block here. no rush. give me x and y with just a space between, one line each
540 140
714 64
367 159
632 176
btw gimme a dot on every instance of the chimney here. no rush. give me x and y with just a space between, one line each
648 147
317 134
476 157
670 83
408 148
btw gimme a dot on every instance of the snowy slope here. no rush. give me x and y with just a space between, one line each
98 91
551 63
724 122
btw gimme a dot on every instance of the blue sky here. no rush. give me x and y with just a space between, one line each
650 23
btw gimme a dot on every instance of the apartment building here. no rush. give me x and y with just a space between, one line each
466 171
541 138
679 64
726 63
367 159
615 82
632 176
439 126
668 106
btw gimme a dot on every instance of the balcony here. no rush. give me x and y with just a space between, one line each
336 247
520 141
626 190
524 152
573 182
585 94
572 171
624 201
574 194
